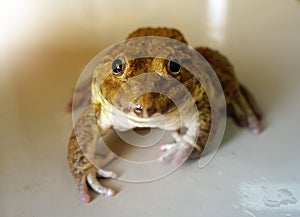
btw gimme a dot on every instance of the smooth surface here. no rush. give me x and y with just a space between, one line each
44 47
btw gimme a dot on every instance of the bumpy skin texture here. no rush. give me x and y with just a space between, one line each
94 122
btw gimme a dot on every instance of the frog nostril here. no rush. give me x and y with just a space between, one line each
138 110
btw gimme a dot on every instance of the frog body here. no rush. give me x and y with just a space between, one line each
96 120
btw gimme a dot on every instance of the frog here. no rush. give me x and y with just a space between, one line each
95 121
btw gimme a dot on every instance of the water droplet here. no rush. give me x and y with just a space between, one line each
277 198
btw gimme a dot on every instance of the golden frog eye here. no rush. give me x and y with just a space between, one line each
118 66
173 67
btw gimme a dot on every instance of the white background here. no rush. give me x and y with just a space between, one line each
44 47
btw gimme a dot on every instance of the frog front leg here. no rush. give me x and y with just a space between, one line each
184 145
84 172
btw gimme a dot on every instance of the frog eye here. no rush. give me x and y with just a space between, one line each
173 67
118 66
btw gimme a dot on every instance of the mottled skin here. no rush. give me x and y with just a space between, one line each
241 106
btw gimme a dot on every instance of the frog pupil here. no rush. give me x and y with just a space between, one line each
174 66
117 66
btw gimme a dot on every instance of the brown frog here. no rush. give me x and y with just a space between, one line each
96 121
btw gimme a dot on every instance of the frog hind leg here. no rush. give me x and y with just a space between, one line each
252 103
245 112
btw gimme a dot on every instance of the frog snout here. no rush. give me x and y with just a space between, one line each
144 112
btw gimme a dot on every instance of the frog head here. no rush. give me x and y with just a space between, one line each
144 76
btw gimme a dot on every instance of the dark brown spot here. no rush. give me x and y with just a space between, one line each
151 110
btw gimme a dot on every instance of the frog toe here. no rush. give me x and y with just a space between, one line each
97 187
238 115
169 151
173 154
166 147
89 179
178 158
106 173
254 126
251 101
245 112
83 190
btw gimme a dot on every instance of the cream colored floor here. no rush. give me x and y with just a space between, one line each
44 47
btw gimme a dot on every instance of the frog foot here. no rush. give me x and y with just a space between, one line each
176 152
245 111
89 178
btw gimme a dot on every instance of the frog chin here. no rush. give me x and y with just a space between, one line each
169 120
126 117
